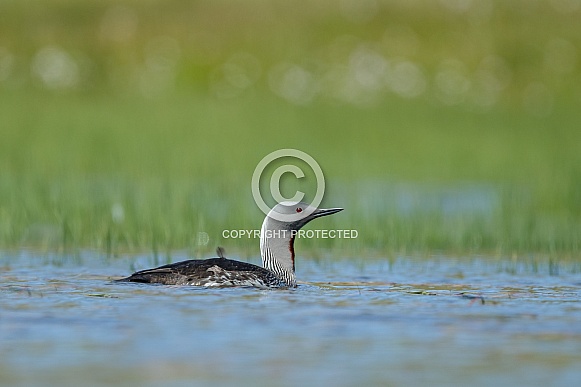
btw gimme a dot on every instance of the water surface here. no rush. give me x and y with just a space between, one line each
436 321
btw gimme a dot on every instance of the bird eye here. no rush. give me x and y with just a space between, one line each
299 209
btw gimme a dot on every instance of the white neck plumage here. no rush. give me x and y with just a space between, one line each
277 250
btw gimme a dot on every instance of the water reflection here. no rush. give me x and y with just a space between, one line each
350 322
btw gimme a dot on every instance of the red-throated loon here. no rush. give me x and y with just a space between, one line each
276 248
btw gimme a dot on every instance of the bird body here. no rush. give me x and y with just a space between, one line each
213 272
276 248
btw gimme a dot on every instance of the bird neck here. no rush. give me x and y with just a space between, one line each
277 250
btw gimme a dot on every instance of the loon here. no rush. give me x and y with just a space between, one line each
276 248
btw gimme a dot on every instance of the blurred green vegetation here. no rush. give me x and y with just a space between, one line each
446 125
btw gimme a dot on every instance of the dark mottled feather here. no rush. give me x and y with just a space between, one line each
208 272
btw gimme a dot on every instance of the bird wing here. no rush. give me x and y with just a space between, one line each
193 269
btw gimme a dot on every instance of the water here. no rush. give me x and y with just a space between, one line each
429 321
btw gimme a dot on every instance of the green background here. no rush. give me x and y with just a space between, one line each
441 126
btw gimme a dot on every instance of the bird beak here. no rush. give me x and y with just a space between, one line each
324 212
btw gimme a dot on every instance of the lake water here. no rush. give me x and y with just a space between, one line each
406 321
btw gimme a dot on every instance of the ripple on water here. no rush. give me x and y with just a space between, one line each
430 321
